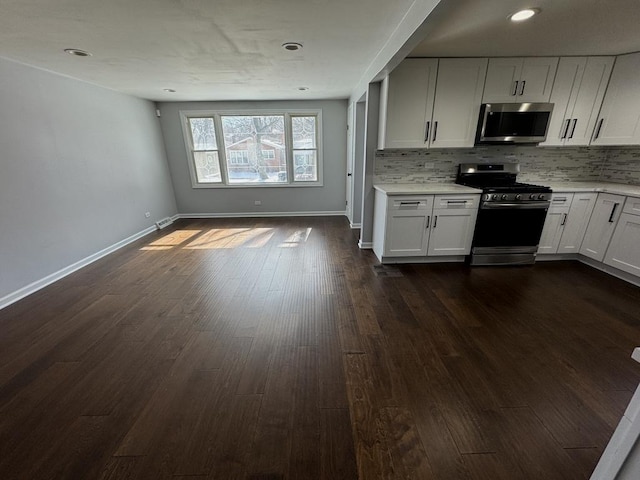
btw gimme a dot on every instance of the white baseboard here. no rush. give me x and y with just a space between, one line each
355 226
49 279
365 245
263 214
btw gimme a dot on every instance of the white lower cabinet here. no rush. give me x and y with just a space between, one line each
566 222
423 225
624 250
601 225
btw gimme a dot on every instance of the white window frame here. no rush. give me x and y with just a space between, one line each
222 153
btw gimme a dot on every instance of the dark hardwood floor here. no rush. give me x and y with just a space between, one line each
273 349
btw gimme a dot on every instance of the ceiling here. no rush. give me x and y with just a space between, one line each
567 27
231 50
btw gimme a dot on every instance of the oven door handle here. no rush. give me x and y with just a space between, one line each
520 205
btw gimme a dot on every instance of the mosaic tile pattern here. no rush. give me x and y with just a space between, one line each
537 164
623 166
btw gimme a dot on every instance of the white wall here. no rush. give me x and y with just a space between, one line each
79 167
330 197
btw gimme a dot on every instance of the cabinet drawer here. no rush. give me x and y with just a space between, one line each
417 203
456 201
632 206
561 199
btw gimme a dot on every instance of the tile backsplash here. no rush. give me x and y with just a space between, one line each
537 164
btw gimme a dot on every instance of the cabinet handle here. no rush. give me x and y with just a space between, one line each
435 131
410 203
573 128
428 220
613 212
522 89
565 129
456 201
559 199
515 89
435 221
598 129
426 133
564 219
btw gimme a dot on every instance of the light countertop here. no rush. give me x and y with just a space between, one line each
578 187
557 187
424 189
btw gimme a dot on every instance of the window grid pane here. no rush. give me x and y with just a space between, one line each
253 135
303 129
305 166
207 167
203 134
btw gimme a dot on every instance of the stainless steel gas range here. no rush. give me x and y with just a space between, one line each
511 214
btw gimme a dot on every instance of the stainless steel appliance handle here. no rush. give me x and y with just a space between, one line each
522 89
564 219
426 133
613 212
435 131
514 206
515 88
565 129
573 128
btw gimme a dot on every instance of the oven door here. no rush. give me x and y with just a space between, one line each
509 227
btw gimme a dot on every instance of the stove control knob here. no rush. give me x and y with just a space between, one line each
503 197
532 197
540 197
495 197
518 196
487 196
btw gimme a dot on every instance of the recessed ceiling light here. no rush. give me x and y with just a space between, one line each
77 52
292 46
302 89
169 90
525 14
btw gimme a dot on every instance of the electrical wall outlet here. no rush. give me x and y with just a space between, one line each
257 202
147 214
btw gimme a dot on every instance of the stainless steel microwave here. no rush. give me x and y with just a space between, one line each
513 122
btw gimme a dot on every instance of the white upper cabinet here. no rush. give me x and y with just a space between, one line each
457 103
577 95
410 96
619 122
432 103
514 80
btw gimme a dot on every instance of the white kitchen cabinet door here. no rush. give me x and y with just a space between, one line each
619 120
577 96
410 96
536 80
452 232
407 231
552 230
576 222
601 225
457 101
624 251
514 80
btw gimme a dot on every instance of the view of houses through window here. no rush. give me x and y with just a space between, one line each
254 149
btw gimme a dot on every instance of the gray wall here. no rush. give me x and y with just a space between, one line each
219 201
79 167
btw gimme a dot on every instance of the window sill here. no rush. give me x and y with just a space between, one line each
257 185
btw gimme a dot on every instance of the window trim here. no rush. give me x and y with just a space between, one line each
222 154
